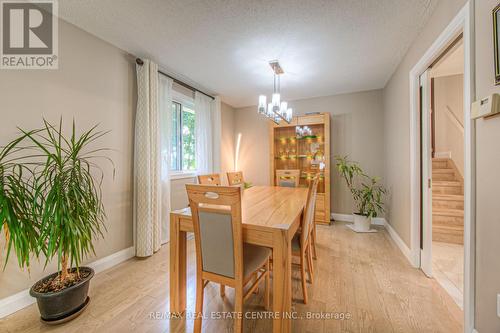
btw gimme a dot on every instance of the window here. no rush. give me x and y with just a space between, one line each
182 148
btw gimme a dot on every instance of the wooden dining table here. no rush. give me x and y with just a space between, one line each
270 217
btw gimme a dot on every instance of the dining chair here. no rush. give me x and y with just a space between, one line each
210 179
221 255
235 178
288 178
301 242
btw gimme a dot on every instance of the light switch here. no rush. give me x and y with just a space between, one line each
498 305
485 107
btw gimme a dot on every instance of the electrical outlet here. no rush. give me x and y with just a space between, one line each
498 305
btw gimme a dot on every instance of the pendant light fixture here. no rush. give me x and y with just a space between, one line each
277 110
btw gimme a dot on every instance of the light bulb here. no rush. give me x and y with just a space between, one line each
289 114
276 102
269 112
283 108
262 104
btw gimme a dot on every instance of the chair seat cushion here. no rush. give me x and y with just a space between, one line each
254 256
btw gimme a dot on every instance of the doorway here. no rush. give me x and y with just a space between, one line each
442 133
421 240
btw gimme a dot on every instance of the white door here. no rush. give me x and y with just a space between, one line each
425 109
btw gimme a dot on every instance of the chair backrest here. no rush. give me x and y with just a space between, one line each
211 179
216 212
288 178
308 217
235 178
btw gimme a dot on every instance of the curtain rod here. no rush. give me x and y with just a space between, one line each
140 62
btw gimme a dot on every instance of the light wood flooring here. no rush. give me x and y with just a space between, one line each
363 276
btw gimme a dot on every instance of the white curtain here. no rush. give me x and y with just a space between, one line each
165 104
149 201
217 134
203 106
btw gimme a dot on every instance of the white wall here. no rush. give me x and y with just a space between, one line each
487 180
356 130
449 115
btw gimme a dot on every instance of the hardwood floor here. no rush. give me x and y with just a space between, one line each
362 276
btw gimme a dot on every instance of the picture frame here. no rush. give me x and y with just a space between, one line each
496 41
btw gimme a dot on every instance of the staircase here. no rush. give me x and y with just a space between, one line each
447 202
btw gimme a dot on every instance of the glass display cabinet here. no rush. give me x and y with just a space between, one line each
304 145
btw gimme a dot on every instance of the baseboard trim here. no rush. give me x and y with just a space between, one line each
22 299
350 218
401 244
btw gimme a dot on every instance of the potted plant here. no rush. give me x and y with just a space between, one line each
366 192
60 206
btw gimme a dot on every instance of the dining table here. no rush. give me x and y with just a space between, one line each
270 217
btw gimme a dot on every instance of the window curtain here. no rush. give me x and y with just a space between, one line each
151 191
203 107
165 104
217 135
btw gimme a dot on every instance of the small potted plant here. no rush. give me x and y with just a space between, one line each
366 192
50 204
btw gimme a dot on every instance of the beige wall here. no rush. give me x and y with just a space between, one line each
95 83
487 180
397 119
356 130
449 98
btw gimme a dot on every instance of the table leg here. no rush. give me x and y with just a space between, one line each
178 257
282 281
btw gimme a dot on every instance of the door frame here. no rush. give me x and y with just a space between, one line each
425 110
463 22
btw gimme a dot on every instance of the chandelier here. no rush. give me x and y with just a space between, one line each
277 110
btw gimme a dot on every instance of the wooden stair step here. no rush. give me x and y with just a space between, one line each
446 237
439 163
448 212
443 170
447 201
447 187
443 176
447 217
448 197
447 183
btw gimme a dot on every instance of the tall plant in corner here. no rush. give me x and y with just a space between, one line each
62 198
366 191
18 207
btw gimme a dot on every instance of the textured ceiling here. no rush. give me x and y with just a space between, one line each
326 47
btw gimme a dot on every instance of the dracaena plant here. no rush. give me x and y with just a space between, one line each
366 191
65 192
18 206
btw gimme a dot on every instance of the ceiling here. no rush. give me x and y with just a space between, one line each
326 47
452 63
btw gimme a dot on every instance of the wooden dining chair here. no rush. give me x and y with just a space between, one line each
221 255
288 178
235 178
301 242
211 179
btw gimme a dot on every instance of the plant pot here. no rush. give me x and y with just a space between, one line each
59 305
362 223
